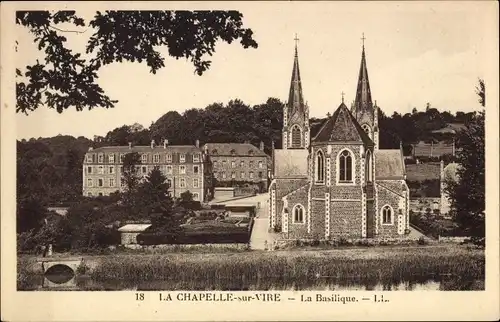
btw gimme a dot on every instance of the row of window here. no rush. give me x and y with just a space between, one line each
251 175
196 195
168 169
345 167
157 158
233 152
223 164
298 214
100 182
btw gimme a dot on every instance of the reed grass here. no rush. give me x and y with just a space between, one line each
282 270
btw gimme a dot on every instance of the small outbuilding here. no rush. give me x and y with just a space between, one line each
129 232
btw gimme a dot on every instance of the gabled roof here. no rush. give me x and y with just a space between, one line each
233 149
146 148
342 127
290 163
285 187
389 164
134 228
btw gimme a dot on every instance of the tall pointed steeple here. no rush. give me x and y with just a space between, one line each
296 112
363 109
363 101
295 98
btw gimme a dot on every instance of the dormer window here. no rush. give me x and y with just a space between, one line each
214 151
89 158
182 158
196 157
111 158
144 158
156 158
101 158
250 152
168 158
233 152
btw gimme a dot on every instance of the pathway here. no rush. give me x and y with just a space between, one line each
260 233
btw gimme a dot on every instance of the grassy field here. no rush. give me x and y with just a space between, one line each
421 172
298 268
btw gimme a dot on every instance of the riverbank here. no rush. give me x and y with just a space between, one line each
285 269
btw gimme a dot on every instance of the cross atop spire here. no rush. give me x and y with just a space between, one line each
342 96
296 43
363 39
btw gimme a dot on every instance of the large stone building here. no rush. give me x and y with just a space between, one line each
185 166
337 183
238 162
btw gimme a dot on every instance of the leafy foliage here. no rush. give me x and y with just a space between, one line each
67 79
468 194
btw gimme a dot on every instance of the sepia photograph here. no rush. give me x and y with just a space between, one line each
210 151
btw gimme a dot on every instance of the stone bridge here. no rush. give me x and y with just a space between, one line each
72 263
60 273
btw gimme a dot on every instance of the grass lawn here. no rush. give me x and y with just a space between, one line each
423 171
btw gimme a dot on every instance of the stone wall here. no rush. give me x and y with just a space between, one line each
239 246
386 197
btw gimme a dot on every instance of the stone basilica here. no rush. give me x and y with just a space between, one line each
338 183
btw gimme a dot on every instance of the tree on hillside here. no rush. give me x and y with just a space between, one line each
153 193
157 204
30 214
481 92
167 127
130 179
67 79
468 194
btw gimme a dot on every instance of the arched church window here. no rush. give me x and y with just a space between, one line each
298 214
369 167
387 215
345 167
320 167
296 136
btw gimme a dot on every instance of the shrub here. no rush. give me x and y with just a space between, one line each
422 241
26 241
479 241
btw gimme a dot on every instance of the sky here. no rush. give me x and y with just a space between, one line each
416 53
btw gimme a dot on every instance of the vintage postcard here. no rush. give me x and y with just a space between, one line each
249 161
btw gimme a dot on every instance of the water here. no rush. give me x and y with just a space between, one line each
86 283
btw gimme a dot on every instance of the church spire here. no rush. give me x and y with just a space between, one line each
295 98
363 102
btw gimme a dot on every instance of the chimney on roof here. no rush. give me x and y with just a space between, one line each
165 143
261 146
197 143
130 145
152 144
